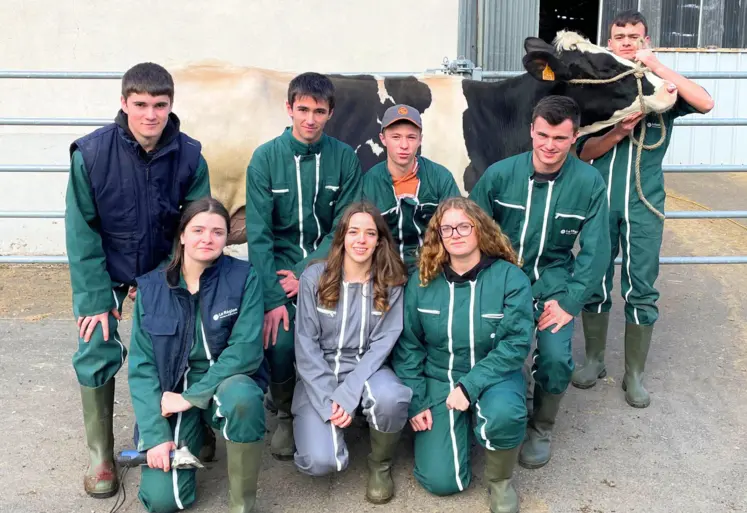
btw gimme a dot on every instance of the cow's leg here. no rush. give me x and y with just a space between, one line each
238 227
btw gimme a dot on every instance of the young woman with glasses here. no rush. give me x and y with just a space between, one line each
468 328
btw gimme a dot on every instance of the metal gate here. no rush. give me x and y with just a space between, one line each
462 67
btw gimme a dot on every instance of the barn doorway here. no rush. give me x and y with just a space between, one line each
580 16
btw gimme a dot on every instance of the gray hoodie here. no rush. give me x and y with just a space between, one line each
338 350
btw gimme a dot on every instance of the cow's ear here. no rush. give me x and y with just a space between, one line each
546 67
542 62
535 44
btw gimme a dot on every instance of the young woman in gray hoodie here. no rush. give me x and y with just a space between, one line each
349 317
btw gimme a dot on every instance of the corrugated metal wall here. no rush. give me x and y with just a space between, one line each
467 43
609 9
685 23
711 145
492 32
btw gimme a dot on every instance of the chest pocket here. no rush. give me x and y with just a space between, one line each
490 323
330 328
566 225
509 213
326 200
284 204
424 212
433 321
391 216
166 348
160 326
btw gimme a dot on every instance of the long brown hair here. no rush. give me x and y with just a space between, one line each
206 204
490 239
387 269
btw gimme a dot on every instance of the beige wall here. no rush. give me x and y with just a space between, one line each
105 35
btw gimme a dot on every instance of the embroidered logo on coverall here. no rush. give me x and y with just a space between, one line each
225 313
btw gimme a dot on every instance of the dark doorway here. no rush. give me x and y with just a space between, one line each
580 16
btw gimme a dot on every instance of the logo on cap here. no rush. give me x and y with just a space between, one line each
402 111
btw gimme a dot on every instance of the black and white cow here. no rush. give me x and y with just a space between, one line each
468 124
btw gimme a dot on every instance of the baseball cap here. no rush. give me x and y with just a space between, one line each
401 113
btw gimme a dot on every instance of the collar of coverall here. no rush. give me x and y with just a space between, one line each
471 275
300 148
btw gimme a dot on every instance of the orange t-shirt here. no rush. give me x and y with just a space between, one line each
407 185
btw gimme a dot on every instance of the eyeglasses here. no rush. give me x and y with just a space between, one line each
463 229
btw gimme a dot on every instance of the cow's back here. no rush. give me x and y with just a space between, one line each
230 110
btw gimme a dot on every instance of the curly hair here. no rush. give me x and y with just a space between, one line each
387 269
490 239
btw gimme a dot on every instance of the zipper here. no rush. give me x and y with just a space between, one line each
187 337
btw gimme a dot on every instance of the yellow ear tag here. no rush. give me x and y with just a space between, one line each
548 74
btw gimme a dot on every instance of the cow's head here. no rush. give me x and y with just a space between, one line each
573 57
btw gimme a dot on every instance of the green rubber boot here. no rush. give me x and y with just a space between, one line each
595 336
244 461
499 467
380 487
637 344
100 480
282 446
535 452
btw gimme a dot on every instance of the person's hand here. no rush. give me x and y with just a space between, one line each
423 421
553 314
647 57
457 400
173 403
88 324
627 125
132 292
159 457
272 321
340 417
289 282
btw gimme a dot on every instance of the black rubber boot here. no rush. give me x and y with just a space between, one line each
282 446
207 451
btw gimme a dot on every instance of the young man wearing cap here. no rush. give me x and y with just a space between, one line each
632 222
128 183
544 200
297 187
406 187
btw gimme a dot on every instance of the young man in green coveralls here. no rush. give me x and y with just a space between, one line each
631 223
545 200
297 187
406 187
128 182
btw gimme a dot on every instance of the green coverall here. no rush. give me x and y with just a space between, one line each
220 390
295 195
632 224
97 361
476 334
543 219
408 217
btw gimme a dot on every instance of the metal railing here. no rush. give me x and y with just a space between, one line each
467 70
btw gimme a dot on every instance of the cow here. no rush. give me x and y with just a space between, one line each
468 124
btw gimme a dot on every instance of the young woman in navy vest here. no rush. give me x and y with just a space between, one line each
196 355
